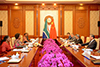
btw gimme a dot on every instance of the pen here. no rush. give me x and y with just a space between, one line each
22 57
87 58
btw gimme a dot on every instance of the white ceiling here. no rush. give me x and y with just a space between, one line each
51 1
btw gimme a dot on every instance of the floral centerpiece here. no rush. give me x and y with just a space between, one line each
54 56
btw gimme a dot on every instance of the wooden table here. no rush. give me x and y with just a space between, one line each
25 62
82 60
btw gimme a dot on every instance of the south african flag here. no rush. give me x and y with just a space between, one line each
45 31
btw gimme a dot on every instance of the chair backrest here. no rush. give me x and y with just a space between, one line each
97 40
21 38
82 37
12 41
40 40
87 39
65 38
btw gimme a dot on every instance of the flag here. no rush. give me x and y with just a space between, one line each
45 31
53 34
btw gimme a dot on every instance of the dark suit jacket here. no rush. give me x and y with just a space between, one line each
73 38
79 41
92 45
69 38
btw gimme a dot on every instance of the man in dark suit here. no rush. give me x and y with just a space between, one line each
92 44
73 38
69 36
78 39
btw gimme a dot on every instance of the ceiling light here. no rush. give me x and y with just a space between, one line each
16 3
54 4
43 4
81 4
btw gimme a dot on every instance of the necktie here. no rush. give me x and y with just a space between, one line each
90 42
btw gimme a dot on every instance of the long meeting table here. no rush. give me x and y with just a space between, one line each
81 59
25 62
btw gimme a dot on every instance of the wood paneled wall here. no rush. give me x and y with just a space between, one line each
81 18
82 25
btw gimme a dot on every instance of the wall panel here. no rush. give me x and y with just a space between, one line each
82 24
4 19
16 24
94 18
29 25
68 22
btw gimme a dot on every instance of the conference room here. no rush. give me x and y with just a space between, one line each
49 33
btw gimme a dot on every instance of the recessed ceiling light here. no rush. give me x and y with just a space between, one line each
16 3
43 4
54 4
81 4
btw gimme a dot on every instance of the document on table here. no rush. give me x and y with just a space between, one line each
87 49
17 49
24 50
14 60
96 57
4 58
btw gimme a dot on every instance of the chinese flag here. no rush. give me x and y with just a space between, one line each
53 34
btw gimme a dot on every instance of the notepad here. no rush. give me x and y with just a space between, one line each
96 61
4 58
14 60
86 56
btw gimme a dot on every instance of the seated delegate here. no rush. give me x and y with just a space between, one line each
17 41
78 39
69 36
92 44
25 38
5 45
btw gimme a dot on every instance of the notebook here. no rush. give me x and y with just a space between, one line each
14 60
96 61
